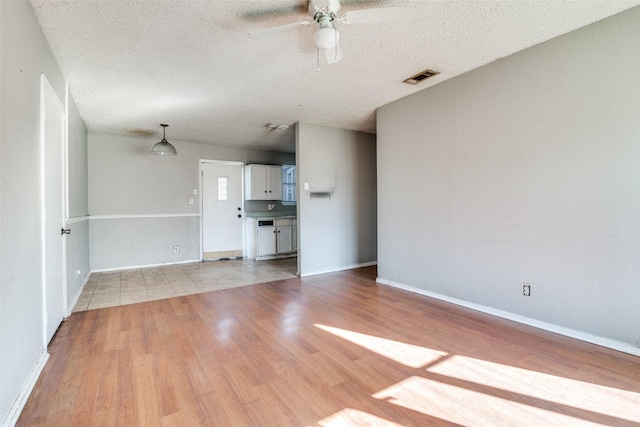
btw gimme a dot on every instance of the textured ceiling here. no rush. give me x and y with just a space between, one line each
132 65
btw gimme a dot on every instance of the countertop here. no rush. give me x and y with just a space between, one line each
270 214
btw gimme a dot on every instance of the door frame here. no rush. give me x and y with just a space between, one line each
46 90
201 200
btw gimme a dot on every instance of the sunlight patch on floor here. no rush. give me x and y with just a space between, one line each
409 355
457 388
564 391
352 417
461 406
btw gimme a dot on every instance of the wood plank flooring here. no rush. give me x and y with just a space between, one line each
330 350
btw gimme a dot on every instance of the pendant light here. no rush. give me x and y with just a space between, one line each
163 148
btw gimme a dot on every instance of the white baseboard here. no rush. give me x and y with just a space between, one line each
269 257
334 269
131 267
579 335
27 387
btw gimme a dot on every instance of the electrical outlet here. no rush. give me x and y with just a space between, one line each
195 191
176 249
526 289
190 201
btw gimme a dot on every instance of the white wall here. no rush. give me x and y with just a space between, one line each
525 170
139 202
24 55
338 231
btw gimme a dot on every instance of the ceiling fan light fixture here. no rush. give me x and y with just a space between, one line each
325 38
164 148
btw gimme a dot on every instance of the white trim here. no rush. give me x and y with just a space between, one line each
131 267
138 216
77 219
579 335
46 88
43 209
65 200
75 299
27 387
334 269
65 149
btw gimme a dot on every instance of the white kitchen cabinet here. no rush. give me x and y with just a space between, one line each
270 238
266 240
284 235
263 182
294 237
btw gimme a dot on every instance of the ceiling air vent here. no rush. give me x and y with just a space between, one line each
422 75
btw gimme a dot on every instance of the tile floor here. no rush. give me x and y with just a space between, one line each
114 288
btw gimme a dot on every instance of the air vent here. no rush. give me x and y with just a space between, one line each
273 126
422 75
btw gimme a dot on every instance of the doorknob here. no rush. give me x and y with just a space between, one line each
239 216
65 231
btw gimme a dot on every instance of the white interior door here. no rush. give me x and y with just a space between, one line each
222 210
53 125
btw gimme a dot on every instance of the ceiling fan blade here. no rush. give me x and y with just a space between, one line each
334 55
277 30
312 8
327 5
334 6
377 15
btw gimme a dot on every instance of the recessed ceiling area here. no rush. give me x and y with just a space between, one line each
134 64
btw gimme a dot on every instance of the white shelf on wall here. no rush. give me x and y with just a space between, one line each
321 192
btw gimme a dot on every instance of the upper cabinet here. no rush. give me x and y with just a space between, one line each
263 182
289 184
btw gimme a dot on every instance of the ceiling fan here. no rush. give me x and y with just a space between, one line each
325 13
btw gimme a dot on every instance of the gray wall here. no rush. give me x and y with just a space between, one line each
525 170
24 56
139 202
337 231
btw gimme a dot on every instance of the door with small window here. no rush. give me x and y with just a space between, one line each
222 210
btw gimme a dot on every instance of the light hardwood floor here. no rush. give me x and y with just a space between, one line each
330 350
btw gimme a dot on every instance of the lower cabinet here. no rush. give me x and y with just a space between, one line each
295 235
284 236
273 238
266 240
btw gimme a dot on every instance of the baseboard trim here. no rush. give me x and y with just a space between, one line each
335 269
268 257
131 267
27 387
550 327
75 299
